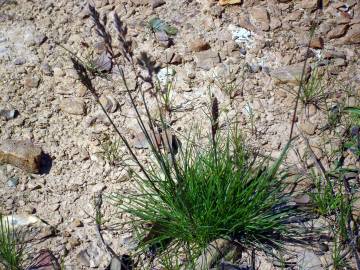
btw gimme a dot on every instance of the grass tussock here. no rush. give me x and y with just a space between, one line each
221 192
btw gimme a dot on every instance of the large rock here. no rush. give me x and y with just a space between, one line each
290 74
22 154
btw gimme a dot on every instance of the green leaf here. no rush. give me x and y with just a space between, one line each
353 110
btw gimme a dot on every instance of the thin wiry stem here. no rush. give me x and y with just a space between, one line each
301 85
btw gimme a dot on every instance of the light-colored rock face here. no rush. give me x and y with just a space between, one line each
22 154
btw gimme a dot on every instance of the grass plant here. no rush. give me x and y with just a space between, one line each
11 246
188 198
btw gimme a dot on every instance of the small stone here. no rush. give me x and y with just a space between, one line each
323 247
229 2
163 39
260 18
309 260
74 106
308 127
353 35
13 182
199 45
311 110
77 223
121 263
46 232
176 60
330 54
39 39
157 3
29 210
338 31
109 102
207 59
8 114
115 264
309 4
302 199
19 61
46 69
58 72
290 74
22 154
243 51
73 242
98 188
92 256
317 43
31 82
339 62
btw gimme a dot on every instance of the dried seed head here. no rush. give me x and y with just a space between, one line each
214 115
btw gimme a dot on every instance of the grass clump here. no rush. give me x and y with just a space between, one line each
11 246
191 196
220 192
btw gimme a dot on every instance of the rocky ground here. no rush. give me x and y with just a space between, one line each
257 48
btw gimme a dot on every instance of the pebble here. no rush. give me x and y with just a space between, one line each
308 127
229 2
58 72
39 39
290 74
46 232
77 223
8 114
309 260
338 31
109 102
72 243
19 61
91 256
75 106
46 69
199 45
260 18
22 154
353 35
13 182
317 43
31 82
157 3
163 39
207 59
